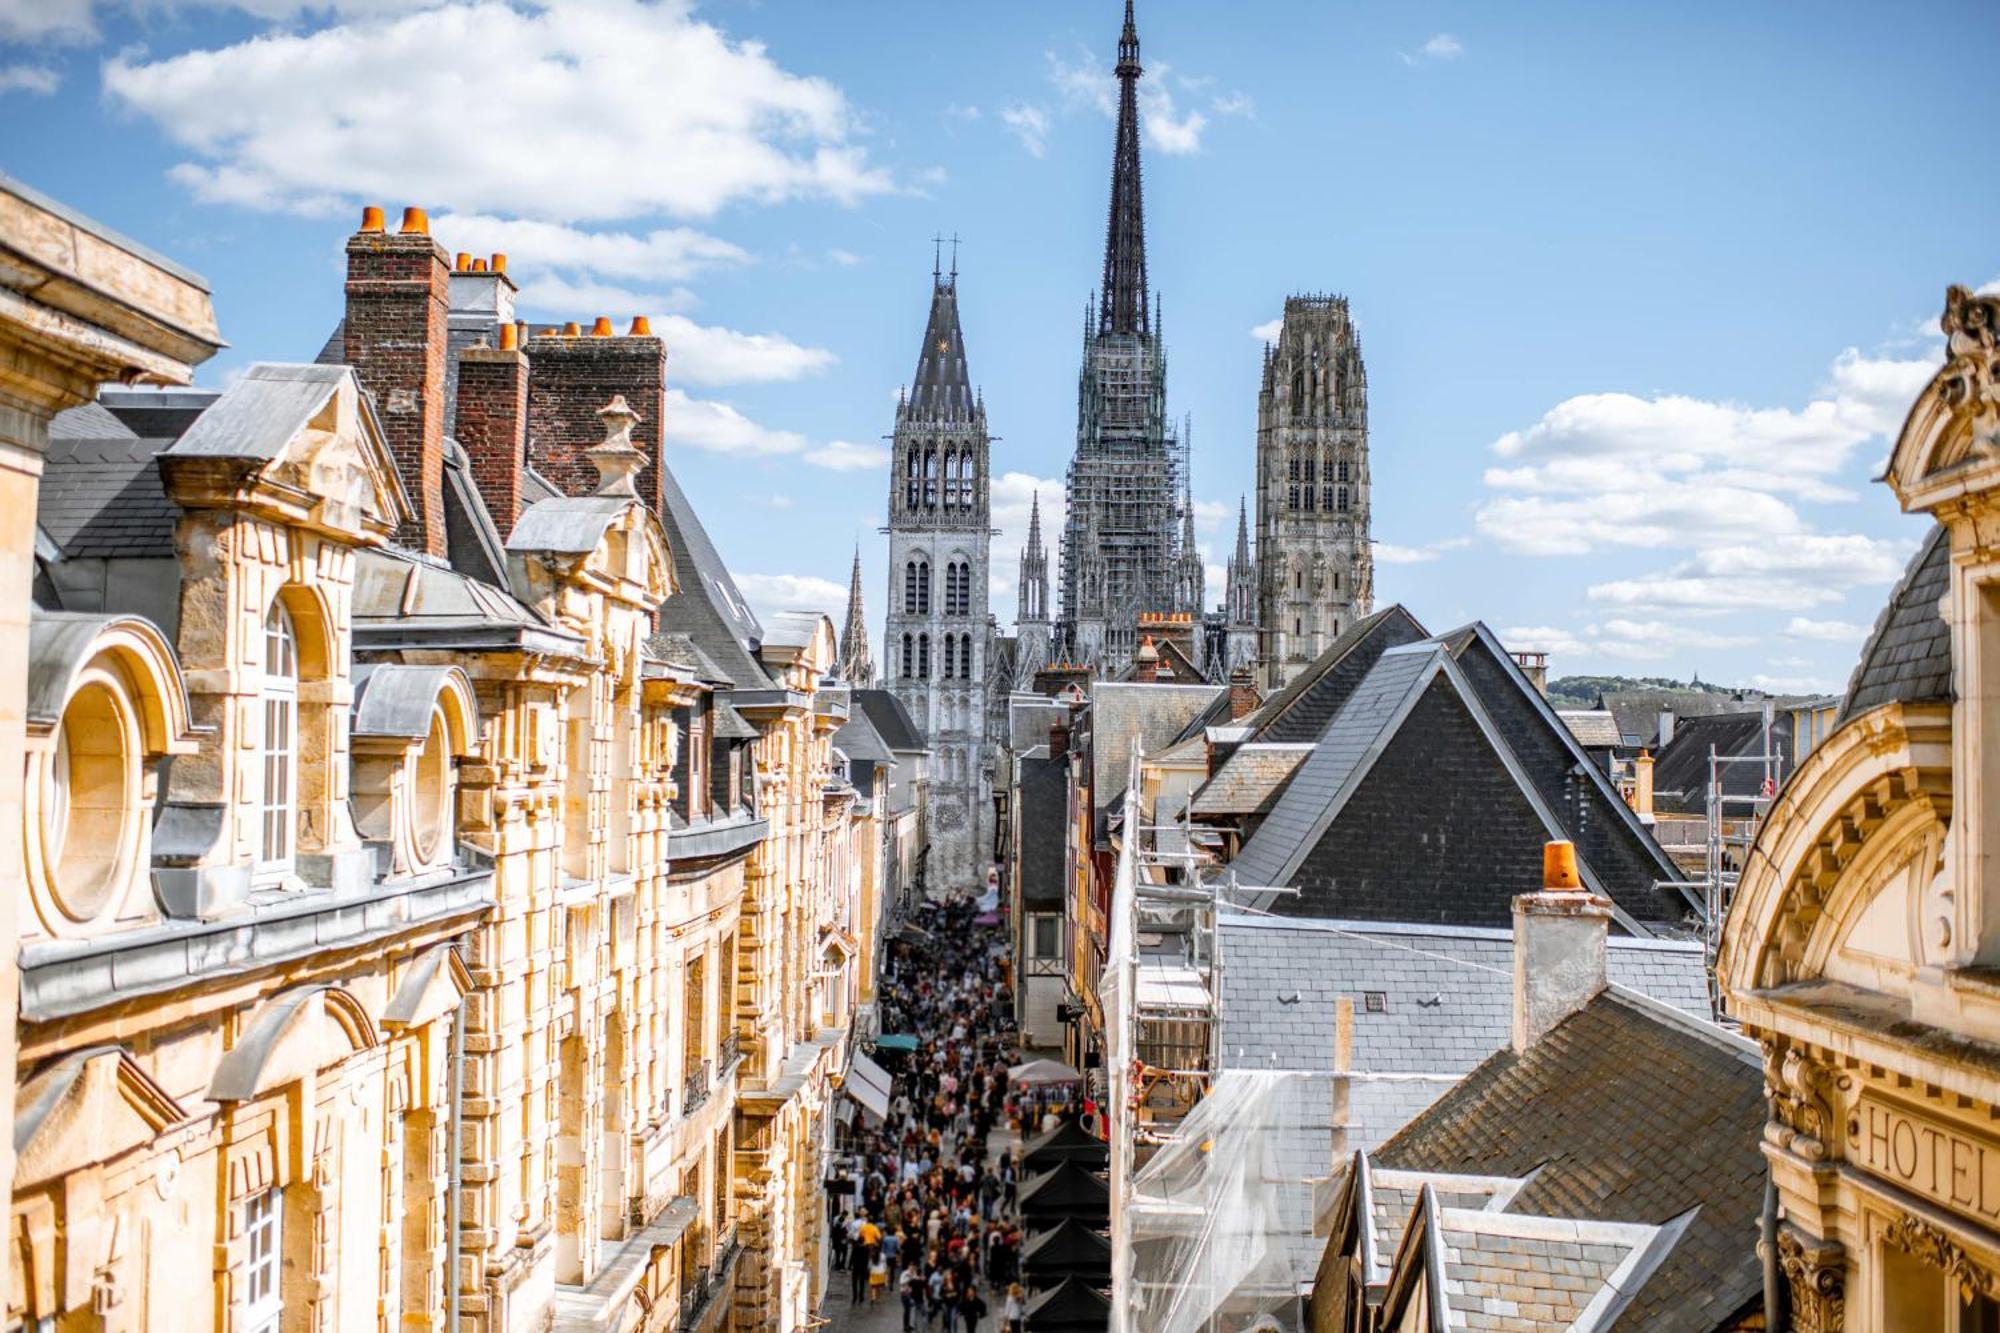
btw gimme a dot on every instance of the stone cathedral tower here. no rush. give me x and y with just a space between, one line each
1031 614
935 649
1317 567
1122 537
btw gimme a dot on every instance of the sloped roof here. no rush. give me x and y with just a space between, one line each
1044 808
262 412
102 498
1029 717
1073 1303
1637 711
1301 710
1624 1112
1249 781
1907 658
403 597
1546 1272
891 720
1067 1141
1066 1189
858 739
707 607
1682 766
1594 728
1150 714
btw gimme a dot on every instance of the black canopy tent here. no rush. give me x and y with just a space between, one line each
1068 1249
1065 1190
1071 1307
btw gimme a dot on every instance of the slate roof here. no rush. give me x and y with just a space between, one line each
89 421
262 412
1594 728
1446 993
680 649
1301 710
1509 1271
1637 712
1151 714
1680 771
158 413
1029 718
1249 781
104 499
892 721
1045 809
1907 658
1624 1112
708 608
858 739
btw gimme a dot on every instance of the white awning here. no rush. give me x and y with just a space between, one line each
869 1084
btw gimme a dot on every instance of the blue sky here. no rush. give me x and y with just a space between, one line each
1643 290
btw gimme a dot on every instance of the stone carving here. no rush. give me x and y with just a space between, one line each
1929 1243
1801 1092
1970 380
1816 1272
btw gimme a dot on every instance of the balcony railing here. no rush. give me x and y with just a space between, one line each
696 1091
731 1052
709 1283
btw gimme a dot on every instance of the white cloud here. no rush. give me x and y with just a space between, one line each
605 93
1089 84
769 594
1012 495
37 79
1543 639
701 354
46 21
844 258
1622 640
1795 684
957 112
718 428
1268 332
1029 124
847 456
1233 104
1793 572
1389 553
1441 46
1824 631
664 254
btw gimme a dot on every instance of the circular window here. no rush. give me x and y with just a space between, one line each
430 791
91 805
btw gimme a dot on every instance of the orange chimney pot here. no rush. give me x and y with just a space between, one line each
416 222
461 262
499 264
602 328
371 218
478 266
571 329
641 327
1559 867
510 337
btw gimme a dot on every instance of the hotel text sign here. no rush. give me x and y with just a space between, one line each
1927 1157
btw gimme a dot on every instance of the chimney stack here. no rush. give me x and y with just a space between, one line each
575 376
492 423
1559 942
1243 698
398 298
1642 786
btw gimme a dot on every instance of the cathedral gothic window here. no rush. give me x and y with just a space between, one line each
1343 471
1343 499
924 656
930 478
917 587
908 660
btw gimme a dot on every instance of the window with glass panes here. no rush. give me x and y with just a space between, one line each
262 1300
280 744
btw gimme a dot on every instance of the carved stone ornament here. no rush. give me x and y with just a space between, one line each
1971 377
1801 1092
1918 1237
1816 1272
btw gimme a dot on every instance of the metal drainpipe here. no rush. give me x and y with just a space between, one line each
456 1075
1767 1233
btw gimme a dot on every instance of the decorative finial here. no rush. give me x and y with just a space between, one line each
618 460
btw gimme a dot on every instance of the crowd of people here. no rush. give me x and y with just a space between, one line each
929 1218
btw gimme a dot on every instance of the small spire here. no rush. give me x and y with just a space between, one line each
618 460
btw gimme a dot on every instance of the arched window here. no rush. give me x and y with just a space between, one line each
910 588
965 496
1343 470
923 657
965 654
930 478
945 662
1326 498
907 648
1343 499
910 479
924 587
278 836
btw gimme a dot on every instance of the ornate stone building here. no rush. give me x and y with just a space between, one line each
441 905
937 641
1861 943
1127 531
1032 632
1317 567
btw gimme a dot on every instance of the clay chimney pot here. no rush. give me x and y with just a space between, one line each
641 327
510 337
1559 867
602 328
461 262
499 264
572 329
416 222
371 218
478 266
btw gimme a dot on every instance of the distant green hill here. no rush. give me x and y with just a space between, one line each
1582 691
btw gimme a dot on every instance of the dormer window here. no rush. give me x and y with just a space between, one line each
278 841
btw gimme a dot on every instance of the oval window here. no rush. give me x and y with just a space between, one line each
430 792
90 814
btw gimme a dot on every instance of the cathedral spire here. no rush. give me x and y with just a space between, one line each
1122 299
942 389
1242 531
855 666
1035 523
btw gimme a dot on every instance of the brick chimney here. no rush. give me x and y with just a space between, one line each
492 424
398 298
1559 937
1642 786
575 374
1243 697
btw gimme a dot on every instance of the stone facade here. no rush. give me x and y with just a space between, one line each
1317 572
1860 945
486 957
938 639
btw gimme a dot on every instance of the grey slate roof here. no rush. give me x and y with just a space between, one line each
262 412
1249 780
1151 714
708 608
1680 771
1637 712
1029 717
1446 992
1044 808
1301 710
103 498
858 740
1594 728
1357 732
1623 1112
892 721
569 524
1907 658
401 597
160 413
90 421
679 648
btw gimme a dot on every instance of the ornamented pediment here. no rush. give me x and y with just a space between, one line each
295 1035
432 988
88 1107
1949 449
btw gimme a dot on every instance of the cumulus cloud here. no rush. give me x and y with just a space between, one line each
1621 640
662 254
606 93
1089 84
844 258
1389 553
37 79
847 456
47 21
769 594
1441 46
718 428
705 355
1824 631
1268 331
1029 124
1790 572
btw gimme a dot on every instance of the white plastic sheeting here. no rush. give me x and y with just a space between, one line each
1211 1221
